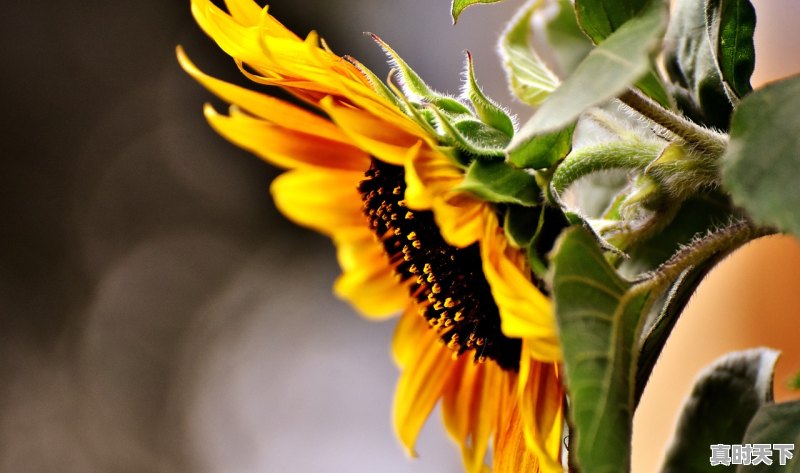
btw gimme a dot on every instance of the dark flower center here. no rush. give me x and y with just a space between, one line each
447 282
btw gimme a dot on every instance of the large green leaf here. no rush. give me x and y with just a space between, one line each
731 24
569 44
762 163
496 181
615 64
458 6
599 319
528 76
692 66
775 424
723 401
600 18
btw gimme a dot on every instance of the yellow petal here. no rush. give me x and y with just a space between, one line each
409 330
264 106
237 41
460 218
324 200
246 12
459 398
284 147
524 311
541 395
420 387
510 452
367 280
372 134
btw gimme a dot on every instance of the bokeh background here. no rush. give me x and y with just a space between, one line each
158 315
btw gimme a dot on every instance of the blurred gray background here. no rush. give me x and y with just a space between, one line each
156 313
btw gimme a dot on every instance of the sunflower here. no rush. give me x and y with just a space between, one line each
474 333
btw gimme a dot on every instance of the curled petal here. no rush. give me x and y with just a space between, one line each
524 311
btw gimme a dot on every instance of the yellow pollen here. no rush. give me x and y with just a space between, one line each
430 278
413 269
436 288
409 215
437 305
480 342
427 268
412 236
459 316
417 244
397 190
448 302
432 298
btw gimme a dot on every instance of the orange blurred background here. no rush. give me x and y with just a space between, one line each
751 299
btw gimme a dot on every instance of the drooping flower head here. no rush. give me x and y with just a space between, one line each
383 173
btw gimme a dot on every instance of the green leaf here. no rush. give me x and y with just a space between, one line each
723 401
599 319
539 151
600 18
762 163
567 41
731 24
775 424
616 63
489 112
692 67
529 78
496 181
458 6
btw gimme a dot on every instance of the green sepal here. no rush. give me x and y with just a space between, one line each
529 78
496 181
489 112
520 224
529 150
411 82
414 87
448 105
471 135
458 6
378 85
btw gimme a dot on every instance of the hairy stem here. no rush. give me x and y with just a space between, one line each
614 155
705 139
